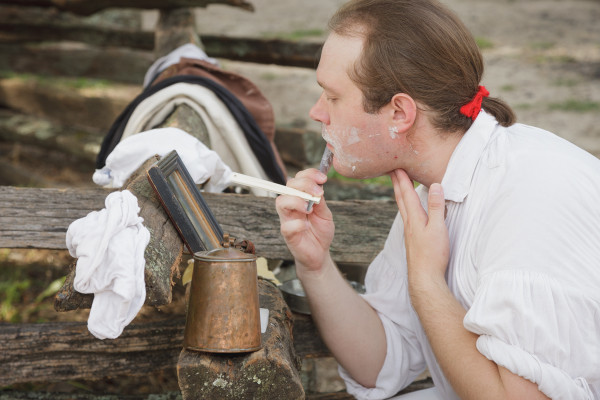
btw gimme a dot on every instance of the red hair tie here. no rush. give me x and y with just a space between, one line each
472 108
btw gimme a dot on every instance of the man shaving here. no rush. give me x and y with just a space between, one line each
489 276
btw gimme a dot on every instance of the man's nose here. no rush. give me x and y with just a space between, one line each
318 112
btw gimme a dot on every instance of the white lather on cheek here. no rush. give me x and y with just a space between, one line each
393 130
353 136
337 142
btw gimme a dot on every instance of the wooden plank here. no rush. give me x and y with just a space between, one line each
261 51
307 341
35 131
53 59
89 7
66 350
30 395
39 218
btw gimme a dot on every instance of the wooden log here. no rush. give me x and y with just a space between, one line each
41 132
175 28
59 351
269 373
14 395
39 218
25 24
89 7
76 107
307 341
257 50
54 59
62 351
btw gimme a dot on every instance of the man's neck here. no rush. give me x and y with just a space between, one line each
433 155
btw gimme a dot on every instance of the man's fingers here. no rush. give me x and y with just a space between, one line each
436 204
287 205
312 174
306 185
405 189
292 227
398 195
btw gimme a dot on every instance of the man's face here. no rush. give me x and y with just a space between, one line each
364 145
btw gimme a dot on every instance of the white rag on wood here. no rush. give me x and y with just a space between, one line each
203 164
109 246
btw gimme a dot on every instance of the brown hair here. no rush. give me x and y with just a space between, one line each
417 47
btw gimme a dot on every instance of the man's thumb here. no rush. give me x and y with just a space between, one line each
436 203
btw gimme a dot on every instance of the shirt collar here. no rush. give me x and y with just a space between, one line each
466 156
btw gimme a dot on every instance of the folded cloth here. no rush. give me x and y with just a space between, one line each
188 50
262 151
243 89
226 137
201 162
109 246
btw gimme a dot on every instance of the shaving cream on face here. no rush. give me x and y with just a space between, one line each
363 150
353 137
335 140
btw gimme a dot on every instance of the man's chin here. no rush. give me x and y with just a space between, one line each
358 174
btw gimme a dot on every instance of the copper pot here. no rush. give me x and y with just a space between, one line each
223 313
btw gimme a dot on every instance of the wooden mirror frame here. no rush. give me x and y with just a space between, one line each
184 204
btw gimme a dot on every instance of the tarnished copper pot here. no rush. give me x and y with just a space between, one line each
223 313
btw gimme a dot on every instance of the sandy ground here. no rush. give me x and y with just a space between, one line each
542 57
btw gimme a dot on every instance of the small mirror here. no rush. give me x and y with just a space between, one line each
183 201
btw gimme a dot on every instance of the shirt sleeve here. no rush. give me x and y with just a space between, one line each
538 329
387 292
536 303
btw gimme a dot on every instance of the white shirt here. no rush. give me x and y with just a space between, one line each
523 215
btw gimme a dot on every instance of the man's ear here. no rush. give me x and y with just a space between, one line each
405 111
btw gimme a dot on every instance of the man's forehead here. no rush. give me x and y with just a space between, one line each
337 57
342 48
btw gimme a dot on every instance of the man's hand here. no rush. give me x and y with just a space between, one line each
471 374
425 234
308 234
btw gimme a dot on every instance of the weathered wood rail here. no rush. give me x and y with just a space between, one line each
86 7
20 28
39 218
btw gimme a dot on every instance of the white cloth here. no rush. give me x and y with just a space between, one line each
109 246
188 50
226 137
201 162
523 214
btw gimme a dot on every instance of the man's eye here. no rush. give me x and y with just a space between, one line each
331 99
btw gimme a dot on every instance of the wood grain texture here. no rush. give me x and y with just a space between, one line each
58 351
89 7
39 218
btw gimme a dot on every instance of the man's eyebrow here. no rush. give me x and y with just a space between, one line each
325 87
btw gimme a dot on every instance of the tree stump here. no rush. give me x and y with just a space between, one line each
269 373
